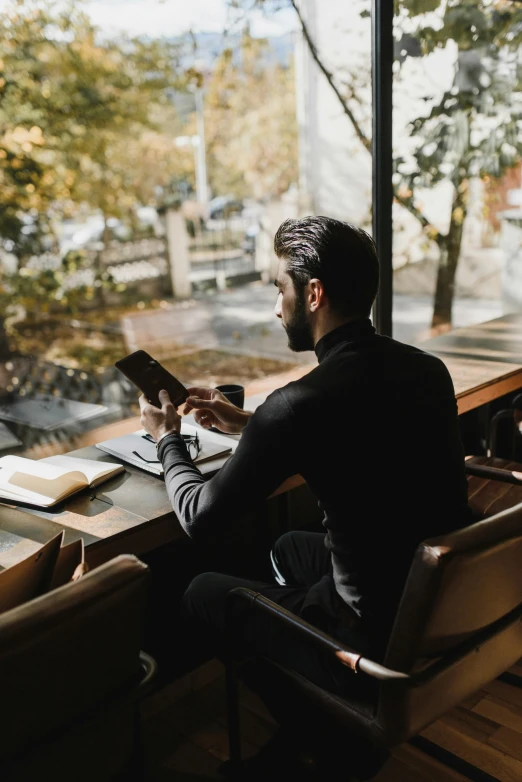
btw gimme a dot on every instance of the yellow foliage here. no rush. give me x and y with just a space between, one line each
251 141
73 112
458 215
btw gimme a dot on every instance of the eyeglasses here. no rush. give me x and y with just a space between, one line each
192 442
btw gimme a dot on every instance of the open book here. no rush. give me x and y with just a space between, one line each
138 449
47 481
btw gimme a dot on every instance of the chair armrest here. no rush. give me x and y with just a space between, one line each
150 669
493 473
347 656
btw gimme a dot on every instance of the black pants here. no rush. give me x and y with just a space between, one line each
300 560
168 636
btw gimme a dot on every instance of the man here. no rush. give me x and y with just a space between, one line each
374 431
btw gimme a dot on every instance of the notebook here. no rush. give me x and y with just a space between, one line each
44 482
138 449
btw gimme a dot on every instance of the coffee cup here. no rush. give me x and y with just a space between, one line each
234 393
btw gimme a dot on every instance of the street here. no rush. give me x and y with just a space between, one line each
242 320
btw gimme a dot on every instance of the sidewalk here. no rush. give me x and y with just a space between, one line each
242 321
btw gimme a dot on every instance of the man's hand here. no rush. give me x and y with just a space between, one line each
211 408
159 420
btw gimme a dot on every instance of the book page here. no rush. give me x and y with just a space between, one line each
48 488
93 471
35 482
32 497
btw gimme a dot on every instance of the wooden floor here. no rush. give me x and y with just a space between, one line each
186 738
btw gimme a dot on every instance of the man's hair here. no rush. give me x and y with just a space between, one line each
342 256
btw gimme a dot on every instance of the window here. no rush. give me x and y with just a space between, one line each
457 156
148 153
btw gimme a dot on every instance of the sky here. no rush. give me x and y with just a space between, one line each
172 17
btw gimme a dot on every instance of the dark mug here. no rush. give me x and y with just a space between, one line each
234 393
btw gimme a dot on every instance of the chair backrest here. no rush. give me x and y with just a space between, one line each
504 433
458 584
458 624
68 653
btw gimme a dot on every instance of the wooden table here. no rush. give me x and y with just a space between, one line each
485 360
128 513
132 513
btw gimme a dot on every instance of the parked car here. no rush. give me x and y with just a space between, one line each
222 207
75 234
249 242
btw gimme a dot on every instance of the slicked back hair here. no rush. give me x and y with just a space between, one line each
339 254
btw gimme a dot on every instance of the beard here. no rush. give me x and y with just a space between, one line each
298 329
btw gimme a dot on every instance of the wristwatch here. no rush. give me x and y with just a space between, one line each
166 434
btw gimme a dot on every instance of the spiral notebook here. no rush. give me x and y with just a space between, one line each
138 448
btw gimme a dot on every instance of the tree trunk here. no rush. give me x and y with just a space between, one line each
449 257
5 351
99 266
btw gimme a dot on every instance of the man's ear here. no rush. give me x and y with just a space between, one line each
316 294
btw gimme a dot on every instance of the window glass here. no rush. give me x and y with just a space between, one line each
334 108
148 152
457 156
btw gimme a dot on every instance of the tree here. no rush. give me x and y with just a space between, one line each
144 166
79 116
124 87
250 121
473 130
70 100
252 128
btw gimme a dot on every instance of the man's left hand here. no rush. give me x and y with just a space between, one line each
159 420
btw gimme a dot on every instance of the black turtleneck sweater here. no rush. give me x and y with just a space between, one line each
374 431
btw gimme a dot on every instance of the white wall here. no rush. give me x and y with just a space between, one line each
335 169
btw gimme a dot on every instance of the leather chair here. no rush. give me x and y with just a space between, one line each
457 628
494 485
71 677
495 479
504 436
